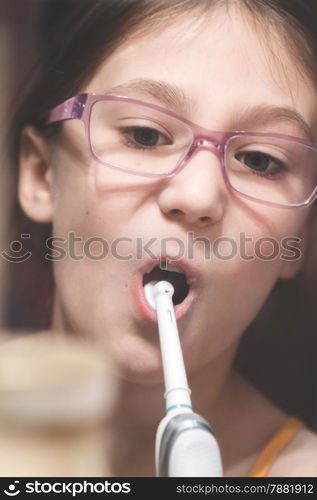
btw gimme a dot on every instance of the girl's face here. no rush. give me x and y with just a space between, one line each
222 69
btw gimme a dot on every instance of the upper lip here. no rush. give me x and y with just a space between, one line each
192 273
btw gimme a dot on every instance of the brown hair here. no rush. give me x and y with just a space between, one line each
77 36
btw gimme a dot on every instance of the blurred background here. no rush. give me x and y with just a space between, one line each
279 350
55 393
18 42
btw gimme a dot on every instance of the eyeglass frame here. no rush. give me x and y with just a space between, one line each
79 108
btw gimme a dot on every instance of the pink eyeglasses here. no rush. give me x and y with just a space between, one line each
145 139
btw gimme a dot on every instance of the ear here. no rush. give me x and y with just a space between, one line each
291 267
35 187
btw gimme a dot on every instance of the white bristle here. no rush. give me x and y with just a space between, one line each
148 291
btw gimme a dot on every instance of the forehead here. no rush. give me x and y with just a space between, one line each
220 61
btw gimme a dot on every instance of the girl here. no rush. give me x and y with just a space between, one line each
177 137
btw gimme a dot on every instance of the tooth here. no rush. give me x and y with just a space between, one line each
168 267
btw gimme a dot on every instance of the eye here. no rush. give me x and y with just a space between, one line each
260 162
144 137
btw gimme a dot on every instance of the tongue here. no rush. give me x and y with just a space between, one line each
178 281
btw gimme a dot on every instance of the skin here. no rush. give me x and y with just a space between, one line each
63 185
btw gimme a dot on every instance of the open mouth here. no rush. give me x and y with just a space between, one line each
175 275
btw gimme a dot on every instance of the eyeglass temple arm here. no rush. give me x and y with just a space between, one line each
70 109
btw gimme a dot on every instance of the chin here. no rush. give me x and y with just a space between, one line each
137 361
133 351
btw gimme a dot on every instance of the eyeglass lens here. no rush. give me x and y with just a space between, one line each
142 140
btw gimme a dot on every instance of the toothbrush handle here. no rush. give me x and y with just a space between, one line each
188 448
177 391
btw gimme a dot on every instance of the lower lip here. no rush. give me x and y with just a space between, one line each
146 310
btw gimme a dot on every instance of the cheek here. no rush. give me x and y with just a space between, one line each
254 251
85 225
262 231
76 207
91 206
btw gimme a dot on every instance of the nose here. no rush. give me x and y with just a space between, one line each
196 196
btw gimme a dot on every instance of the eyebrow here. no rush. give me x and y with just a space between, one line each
266 114
174 97
171 96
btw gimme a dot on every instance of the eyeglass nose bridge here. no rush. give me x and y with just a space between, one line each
199 143
208 143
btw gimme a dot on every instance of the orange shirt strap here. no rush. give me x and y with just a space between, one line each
275 446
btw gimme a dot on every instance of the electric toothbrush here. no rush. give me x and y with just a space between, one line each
185 444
